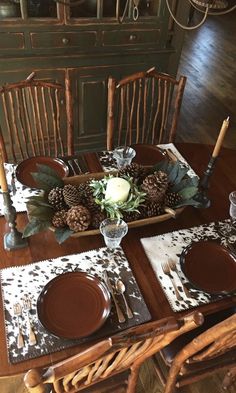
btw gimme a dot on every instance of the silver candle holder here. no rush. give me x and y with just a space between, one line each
13 240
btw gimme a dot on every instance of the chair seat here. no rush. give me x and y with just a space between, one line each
169 352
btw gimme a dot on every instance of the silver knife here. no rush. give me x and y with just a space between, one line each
76 161
119 312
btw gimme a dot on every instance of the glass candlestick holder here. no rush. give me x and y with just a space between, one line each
13 240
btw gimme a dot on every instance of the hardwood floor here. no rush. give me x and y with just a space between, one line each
208 60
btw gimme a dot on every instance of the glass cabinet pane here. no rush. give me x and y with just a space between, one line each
148 7
42 9
9 9
108 8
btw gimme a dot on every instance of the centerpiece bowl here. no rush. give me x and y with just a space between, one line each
140 195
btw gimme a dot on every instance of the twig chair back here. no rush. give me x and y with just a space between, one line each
143 108
36 117
109 357
215 349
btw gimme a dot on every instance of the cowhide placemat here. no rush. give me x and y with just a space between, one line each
170 245
16 282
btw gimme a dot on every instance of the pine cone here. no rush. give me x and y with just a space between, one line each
71 195
131 216
78 218
134 170
56 199
59 219
87 198
155 186
97 218
172 199
150 209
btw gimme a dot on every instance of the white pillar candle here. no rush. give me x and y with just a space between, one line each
117 189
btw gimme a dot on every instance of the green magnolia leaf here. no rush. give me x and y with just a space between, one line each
35 226
173 172
188 192
186 182
189 202
38 202
182 172
162 165
61 234
47 182
42 213
48 171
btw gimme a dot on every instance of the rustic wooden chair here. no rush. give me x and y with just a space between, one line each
212 350
103 367
143 108
36 117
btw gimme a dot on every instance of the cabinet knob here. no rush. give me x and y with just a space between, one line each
65 41
132 37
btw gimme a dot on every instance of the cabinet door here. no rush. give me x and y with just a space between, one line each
89 92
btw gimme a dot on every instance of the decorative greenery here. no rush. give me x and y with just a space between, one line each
41 212
180 182
116 209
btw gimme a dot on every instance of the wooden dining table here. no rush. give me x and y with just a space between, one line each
43 245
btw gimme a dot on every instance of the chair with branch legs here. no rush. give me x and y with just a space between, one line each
143 108
36 116
212 350
104 367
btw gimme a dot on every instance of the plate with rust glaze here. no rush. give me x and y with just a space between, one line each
73 305
29 165
209 266
147 154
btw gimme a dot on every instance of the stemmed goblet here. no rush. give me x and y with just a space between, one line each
123 156
113 230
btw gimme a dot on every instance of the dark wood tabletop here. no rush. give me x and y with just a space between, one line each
44 245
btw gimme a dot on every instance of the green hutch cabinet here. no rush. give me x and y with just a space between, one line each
89 40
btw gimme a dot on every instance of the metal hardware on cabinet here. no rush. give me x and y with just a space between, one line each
65 41
133 37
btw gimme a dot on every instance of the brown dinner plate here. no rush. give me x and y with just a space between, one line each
28 166
73 305
209 266
147 154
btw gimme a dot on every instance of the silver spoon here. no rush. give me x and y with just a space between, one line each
120 288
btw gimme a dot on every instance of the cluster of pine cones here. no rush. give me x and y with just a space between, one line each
76 208
156 187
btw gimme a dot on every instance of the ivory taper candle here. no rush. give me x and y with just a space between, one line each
220 138
3 179
117 189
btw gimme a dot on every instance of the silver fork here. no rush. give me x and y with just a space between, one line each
17 309
166 270
173 267
27 305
